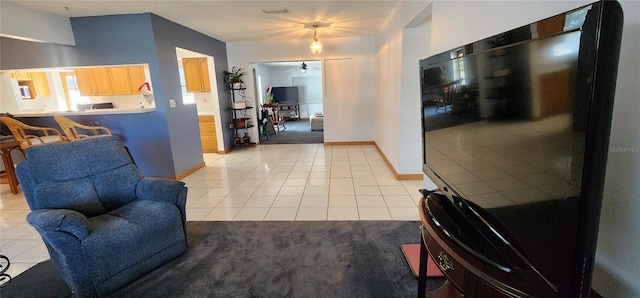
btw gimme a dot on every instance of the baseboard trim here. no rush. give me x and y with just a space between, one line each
190 171
350 143
384 157
410 177
395 173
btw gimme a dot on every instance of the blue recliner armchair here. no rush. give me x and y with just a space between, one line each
104 225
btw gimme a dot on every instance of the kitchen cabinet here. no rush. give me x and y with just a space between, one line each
125 80
208 134
196 75
40 84
94 81
84 79
103 81
36 81
22 76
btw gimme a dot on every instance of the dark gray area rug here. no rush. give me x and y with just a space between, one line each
268 259
297 132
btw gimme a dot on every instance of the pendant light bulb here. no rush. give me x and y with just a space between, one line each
316 46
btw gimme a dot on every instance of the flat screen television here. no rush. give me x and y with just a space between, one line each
288 95
515 136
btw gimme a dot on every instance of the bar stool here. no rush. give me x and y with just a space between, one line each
7 144
18 129
71 127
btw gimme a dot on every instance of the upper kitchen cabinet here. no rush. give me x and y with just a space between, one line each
37 83
103 81
196 75
94 81
40 84
22 76
125 80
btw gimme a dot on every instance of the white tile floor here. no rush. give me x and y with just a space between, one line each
268 182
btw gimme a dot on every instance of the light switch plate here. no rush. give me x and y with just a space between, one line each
172 103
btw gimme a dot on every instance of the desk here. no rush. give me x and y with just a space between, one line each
6 147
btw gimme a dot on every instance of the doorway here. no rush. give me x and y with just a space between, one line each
199 69
294 119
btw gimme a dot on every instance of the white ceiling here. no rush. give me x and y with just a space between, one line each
239 20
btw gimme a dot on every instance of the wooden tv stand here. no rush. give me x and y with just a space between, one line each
466 274
289 110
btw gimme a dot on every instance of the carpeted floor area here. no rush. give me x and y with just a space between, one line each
268 259
296 132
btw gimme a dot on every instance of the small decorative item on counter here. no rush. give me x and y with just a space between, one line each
145 89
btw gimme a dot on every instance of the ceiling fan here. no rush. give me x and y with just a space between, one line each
303 68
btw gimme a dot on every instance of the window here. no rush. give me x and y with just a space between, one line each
187 98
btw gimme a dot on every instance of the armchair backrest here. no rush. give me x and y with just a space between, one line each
92 176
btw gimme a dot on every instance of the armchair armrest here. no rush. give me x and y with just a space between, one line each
160 190
60 220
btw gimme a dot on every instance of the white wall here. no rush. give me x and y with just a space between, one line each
618 255
12 102
404 41
415 46
361 122
17 21
9 94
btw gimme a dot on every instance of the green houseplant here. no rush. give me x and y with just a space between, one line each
234 77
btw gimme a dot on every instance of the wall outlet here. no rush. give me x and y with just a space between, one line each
172 103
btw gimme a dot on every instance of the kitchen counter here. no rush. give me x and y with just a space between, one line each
85 112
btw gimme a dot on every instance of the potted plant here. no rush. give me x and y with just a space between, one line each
234 77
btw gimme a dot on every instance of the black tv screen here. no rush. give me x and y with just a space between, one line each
515 136
285 94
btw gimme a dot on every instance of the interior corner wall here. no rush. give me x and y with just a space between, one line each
18 21
415 46
182 120
617 257
398 53
129 39
357 122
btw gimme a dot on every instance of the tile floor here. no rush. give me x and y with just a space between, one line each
268 182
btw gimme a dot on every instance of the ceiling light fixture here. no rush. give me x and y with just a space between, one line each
316 46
